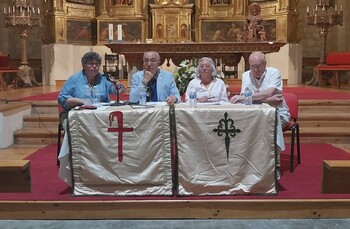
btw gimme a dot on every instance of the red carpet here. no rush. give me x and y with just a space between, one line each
301 92
304 183
316 93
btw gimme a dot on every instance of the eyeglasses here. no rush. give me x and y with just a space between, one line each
93 64
152 61
258 67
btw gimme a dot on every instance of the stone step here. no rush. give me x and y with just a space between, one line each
323 102
323 123
45 107
323 109
36 136
41 121
330 135
325 116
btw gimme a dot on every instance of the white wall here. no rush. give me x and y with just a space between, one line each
9 124
62 60
289 61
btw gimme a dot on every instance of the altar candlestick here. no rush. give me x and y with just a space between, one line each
110 32
120 32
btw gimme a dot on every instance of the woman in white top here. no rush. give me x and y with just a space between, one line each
207 86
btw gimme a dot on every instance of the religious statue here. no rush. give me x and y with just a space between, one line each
254 24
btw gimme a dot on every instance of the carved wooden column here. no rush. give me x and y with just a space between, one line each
238 7
57 5
284 5
138 8
203 7
102 7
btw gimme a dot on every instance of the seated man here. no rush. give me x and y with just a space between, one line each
159 85
265 84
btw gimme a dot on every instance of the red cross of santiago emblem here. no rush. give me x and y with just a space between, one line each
120 129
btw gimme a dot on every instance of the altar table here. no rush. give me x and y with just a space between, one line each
230 53
222 149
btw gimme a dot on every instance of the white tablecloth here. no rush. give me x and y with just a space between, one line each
243 163
146 167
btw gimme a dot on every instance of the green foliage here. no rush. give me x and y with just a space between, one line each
185 73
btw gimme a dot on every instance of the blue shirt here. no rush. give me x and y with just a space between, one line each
77 85
165 86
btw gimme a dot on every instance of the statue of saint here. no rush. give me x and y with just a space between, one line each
254 25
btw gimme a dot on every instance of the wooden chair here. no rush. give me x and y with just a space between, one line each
293 126
229 73
111 64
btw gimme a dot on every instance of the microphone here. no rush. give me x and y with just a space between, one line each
118 87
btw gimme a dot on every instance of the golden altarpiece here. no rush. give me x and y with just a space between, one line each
84 21
160 22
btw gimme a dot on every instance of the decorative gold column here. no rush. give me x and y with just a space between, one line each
102 7
138 8
57 5
238 7
284 5
203 6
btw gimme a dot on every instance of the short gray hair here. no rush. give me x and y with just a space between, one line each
212 65
89 56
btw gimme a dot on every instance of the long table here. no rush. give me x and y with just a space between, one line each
210 150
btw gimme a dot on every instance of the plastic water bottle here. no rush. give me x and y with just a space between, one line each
96 97
142 98
193 98
88 95
248 100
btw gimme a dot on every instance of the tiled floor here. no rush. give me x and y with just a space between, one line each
177 224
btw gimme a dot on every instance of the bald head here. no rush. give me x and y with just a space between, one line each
257 62
257 57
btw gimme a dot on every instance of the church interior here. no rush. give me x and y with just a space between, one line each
42 42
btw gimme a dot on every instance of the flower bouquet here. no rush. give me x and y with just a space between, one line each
185 73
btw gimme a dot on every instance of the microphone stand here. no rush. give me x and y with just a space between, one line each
116 103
